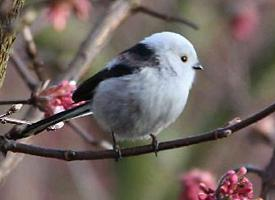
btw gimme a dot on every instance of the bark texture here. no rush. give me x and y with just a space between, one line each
9 11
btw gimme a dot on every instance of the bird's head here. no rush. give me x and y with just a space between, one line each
174 49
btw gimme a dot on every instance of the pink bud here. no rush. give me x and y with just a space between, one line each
242 171
202 196
233 179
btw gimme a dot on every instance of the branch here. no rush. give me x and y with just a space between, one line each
98 37
37 63
255 170
8 120
7 32
165 17
69 155
21 101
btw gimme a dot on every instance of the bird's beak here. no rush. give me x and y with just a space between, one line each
198 66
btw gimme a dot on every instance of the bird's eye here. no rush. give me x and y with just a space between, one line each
184 58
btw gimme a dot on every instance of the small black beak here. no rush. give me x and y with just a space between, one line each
198 66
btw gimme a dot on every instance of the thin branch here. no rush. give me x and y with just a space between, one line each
19 101
255 170
23 71
98 37
10 145
37 63
169 18
7 120
88 137
13 109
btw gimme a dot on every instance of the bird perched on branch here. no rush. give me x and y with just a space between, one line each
140 92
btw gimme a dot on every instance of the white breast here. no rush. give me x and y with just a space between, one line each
137 105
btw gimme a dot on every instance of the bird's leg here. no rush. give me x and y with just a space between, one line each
155 144
116 148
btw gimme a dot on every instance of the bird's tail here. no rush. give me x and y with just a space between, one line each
41 125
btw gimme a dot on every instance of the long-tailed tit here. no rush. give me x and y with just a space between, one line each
140 92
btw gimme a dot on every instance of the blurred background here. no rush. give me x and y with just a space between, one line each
235 43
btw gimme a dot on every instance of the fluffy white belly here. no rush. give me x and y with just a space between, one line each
132 110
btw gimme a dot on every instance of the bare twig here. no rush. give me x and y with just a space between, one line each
23 71
169 18
38 65
7 120
13 109
20 101
255 170
10 145
88 137
98 37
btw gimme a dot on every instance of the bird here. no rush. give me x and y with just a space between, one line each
138 93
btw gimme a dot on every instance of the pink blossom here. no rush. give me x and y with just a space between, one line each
82 8
236 186
59 11
233 186
191 182
56 98
245 21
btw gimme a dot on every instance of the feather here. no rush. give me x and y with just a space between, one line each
128 62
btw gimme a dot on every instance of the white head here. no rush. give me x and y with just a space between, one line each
175 51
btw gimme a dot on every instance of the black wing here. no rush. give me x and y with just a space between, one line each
86 90
128 62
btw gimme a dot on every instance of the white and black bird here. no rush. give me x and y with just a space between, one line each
140 92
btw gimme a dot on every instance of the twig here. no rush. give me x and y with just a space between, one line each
23 71
19 101
13 109
98 37
255 170
88 137
38 65
148 11
7 120
10 145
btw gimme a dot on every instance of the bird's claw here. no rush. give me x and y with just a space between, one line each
155 144
116 148
117 151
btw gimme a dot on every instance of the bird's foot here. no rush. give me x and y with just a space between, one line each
116 148
155 144
117 151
